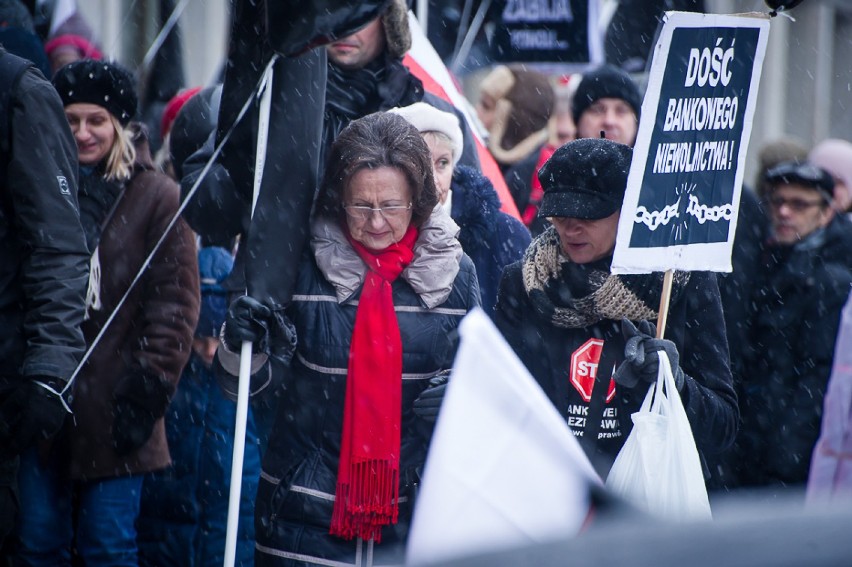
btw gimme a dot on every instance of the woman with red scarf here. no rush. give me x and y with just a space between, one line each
362 350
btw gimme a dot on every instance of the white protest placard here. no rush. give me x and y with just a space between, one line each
504 470
683 191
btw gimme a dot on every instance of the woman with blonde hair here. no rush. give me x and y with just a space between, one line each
83 493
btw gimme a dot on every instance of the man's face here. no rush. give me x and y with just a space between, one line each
613 116
585 241
796 212
357 50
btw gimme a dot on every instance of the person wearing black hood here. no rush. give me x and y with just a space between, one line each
587 336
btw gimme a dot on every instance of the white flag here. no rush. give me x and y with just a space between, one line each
504 469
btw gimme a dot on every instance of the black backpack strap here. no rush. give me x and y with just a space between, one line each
12 68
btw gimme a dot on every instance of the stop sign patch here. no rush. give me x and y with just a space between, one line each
584 369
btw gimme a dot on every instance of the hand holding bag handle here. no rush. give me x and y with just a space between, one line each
658 468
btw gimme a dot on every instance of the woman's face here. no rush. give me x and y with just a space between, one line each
442 164
485 109
93 131
384 188
585 241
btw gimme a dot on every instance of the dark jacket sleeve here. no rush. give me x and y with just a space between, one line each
42 184
214 208
708 393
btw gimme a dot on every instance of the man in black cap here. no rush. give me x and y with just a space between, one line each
607 100
572 322
802 286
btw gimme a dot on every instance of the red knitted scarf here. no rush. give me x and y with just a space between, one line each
368 475
536 191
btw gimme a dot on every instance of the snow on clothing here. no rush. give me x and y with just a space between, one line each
831 464
563 321
797 304
490 237
151 334
43 257
183 519
298 481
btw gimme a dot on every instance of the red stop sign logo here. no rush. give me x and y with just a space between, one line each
584 369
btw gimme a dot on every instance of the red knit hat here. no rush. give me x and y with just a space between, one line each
173 107
86 48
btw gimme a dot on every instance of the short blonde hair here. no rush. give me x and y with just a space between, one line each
122 155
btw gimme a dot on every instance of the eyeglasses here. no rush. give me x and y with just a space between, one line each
795 205
362 213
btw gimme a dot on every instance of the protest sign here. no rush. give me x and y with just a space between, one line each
680 208
548 31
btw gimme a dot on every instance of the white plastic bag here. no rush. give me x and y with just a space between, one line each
658 468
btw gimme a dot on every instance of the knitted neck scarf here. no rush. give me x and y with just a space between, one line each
354 93
574 296
367 491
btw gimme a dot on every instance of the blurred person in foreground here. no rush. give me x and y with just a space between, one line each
82 494
587 336
830 476
43 270
492 238
364 348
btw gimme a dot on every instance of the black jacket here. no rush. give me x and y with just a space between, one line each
797 304
295 497
564 362
44 261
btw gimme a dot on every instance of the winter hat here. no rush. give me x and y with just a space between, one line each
834 156
14 14
607 81
214 265
803 174
192 126
76 43
98 82
585 179
172 108
397 32
521 114
427 118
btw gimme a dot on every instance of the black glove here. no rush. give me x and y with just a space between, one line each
247 320
131 427
641 361
31 413
140 400
428 404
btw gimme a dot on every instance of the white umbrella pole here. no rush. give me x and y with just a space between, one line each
265 91
239 452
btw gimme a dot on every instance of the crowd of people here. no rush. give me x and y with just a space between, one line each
124 320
